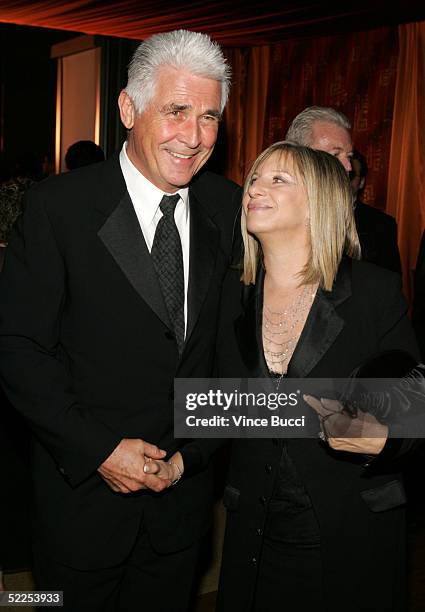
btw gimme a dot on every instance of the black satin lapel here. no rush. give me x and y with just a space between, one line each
323 324
122 236
204 237
248 328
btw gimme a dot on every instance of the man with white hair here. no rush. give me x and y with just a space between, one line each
110 291
327 129
324 129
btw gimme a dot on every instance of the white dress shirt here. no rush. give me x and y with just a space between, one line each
146 199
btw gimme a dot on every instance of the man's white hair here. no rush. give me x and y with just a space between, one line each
193 52
301 129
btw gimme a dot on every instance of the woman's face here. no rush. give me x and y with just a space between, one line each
276 199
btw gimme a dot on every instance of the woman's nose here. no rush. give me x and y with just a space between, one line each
256 188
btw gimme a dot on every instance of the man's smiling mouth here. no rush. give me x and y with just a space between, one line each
180 155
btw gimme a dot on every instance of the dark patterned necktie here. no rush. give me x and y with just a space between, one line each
167 259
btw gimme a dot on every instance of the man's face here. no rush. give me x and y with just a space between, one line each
333 139
173 138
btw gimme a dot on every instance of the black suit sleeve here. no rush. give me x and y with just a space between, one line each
378 237
197 453
33 368
395 329
391 253
418 314
396 333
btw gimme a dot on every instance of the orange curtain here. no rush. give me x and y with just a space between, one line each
272 84
406 179
245 112
232 23
354 73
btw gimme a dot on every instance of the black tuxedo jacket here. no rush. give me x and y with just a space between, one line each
378 236
358 507
88 356
418 310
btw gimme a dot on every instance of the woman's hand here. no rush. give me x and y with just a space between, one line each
362 433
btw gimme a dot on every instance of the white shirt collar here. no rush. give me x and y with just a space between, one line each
142 190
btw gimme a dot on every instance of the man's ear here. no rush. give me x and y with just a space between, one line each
127 111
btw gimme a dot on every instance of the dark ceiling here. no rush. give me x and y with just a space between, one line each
230 22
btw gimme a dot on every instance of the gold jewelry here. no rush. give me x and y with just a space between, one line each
281 329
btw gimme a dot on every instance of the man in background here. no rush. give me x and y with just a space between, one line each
418 309
327 129
15 552
83 153
377 230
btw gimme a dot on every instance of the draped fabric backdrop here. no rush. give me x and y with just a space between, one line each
406 177
376 77
354 73
245 112
236 23
287 56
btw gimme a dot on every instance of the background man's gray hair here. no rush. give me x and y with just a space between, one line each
301 128
193 52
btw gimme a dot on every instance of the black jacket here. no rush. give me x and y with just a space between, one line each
358 508
378 236
87 356
418 311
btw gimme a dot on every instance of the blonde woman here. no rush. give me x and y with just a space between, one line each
311 524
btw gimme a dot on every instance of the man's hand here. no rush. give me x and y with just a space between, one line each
343 432
123 470
171 470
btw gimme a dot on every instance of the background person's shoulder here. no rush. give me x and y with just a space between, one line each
375 281
78 188
208 184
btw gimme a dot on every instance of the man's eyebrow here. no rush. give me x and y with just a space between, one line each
175 107
183 107
336 148
213 112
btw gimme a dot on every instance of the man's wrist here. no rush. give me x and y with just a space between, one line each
178 473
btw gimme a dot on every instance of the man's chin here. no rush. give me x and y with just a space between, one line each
179 181
181 177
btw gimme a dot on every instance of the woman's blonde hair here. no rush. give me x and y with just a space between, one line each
332 226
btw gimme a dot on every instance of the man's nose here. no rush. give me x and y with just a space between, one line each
346 162
190 133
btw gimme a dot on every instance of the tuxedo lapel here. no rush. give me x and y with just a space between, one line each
204 237
248 328
122 236
322 327
323 324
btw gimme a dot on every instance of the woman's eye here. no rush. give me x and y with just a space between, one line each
278 179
